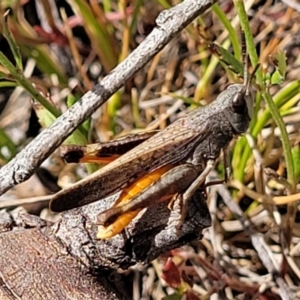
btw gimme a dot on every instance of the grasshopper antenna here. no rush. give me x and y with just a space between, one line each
245 60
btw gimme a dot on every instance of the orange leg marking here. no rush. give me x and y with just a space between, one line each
105 232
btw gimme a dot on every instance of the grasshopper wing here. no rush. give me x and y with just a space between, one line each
171 145
103 153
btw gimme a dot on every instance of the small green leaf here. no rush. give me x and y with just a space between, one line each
279 61
277 78
227 58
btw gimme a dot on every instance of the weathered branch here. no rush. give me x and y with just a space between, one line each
65 261
169 23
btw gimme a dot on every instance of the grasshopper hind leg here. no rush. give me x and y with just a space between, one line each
182 200
173 180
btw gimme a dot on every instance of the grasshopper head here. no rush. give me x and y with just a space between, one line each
240 104
238 107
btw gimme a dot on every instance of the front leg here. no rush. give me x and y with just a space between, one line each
227 168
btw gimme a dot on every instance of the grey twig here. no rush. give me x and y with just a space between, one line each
169 23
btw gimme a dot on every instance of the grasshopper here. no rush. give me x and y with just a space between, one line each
170 164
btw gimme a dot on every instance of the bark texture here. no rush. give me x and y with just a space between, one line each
65 261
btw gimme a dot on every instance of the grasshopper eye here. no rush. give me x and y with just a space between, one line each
239 103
